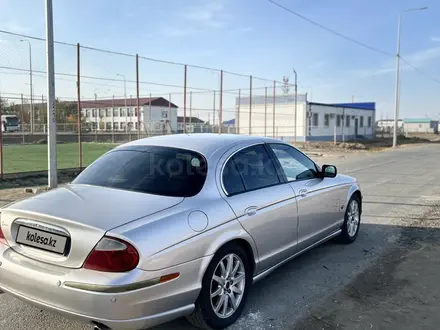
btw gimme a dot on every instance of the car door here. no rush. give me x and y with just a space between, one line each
318 199
262 202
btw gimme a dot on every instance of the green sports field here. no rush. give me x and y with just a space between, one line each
33 157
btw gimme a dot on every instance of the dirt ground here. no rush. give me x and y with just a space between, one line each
401 290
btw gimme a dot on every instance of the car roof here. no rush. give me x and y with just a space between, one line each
203 143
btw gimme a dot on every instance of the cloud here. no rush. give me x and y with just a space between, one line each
317 65
418 59
176 32
435 39
209 14
14 26
246 29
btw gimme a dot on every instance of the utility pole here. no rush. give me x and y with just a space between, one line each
51 111
396 97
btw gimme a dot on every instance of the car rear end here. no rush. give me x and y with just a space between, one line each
58 252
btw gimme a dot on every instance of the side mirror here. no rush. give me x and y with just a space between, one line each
329 171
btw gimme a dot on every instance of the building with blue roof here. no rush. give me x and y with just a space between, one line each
275 117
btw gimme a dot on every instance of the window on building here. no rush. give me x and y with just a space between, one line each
108 112
115 126
338 120
131 112
116 112
123 112
347 121
164 113
369 121
93 113
136 125
101 112
108 126
326 120
315 119
122 125
361 121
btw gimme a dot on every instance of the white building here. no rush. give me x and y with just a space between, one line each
158 115
314 121
420 125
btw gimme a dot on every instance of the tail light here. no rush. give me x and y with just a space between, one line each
112 255
2 237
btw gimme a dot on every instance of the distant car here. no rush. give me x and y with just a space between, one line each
9 123
172 226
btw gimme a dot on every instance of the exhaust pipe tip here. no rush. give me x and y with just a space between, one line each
99 326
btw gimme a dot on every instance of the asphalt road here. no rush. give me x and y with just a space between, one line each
397 185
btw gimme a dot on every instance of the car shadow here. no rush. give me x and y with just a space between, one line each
299 284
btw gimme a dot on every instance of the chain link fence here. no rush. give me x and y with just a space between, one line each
104 98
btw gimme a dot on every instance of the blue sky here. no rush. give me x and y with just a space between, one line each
245 36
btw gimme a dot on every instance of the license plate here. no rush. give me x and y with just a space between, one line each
41 239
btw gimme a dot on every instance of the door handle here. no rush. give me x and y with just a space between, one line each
303 192
252 210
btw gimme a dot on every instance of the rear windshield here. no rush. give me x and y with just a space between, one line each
153 170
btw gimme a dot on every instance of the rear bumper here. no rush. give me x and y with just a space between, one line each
42 285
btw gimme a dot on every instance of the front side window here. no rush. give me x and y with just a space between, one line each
295 165
347 121
150 169
361 121
369 121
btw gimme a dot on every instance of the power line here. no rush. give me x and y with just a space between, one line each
420 71
377 50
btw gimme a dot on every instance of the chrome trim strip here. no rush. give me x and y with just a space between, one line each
42 226
270 270
115 288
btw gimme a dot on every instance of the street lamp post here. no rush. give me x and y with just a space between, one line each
125 100
396 98
30 83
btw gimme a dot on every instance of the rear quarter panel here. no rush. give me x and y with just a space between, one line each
166 239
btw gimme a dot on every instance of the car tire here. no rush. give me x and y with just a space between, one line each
236 287
352 221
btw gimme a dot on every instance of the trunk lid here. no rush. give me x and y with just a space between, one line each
77 216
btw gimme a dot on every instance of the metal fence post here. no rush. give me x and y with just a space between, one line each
184 99
220 124
22 118
250 105
113 119
190 110
273 104
265 111
78 90
1 144
169 113
238 111
137 98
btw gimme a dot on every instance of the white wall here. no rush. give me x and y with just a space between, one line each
418 128
323 132
263 125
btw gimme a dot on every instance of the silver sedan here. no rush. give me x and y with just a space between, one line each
172 226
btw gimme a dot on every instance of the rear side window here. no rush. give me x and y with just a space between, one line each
232 181
255 168
154 170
